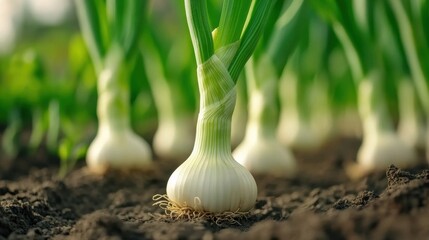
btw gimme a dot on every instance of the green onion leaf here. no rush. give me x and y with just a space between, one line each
259 17
232 19
199 28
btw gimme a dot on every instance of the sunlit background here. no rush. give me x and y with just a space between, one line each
20 19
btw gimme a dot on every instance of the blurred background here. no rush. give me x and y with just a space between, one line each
48 90
48 85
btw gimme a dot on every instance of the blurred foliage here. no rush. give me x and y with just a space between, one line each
48 92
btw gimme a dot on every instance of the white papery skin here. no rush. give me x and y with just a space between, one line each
239 117
277 161
174 138
260 151
116 146
384 149
296 133
381 145
411 128
210 180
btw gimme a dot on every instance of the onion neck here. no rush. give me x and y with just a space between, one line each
213 134
373 108
113 108
217 101
263 115
263 108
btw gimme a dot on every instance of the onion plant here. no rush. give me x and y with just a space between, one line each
344 107
306 121
411 19
411 125
239 117
167 55
356 28
210 180
305 125
111 30
260 151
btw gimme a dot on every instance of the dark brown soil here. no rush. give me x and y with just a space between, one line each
320 203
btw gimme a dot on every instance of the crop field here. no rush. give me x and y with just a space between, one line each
214 119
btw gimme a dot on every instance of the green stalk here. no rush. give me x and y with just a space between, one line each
305 126
257 21
350 52
409 43
173 139
113 108
360 13
161 89
127 25
175 54
54 125
263 106
410 116
232 19
286 35
424 13
38 129
239 117
10 139
199 28
166 58
371 103
372 106
93 29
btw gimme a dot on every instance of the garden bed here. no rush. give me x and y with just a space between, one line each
320 203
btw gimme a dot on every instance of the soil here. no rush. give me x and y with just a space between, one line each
320 203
